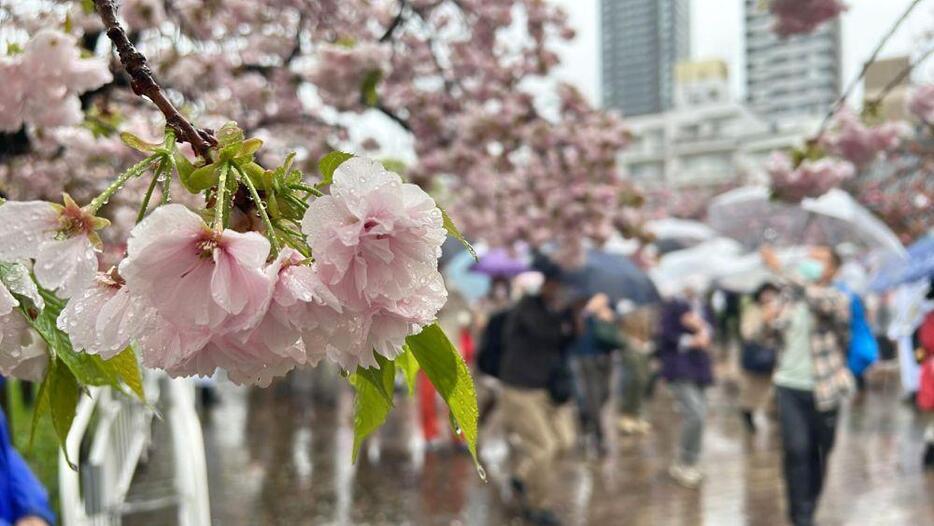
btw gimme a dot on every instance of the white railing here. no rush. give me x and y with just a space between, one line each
113 432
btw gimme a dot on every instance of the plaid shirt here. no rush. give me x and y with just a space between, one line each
830 312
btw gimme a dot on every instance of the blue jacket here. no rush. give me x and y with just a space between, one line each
21 494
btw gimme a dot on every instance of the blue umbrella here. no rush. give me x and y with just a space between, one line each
917 265
614 275
460 277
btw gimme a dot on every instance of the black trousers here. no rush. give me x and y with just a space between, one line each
807 438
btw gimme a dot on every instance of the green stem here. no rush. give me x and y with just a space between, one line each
133 171
261 207
219 197
152 186
296 202
306 188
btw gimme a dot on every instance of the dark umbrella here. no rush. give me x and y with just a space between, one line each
614 275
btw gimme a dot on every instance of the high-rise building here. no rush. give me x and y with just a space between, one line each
642 40
790 77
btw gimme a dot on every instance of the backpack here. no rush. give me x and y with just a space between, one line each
863 350
490 353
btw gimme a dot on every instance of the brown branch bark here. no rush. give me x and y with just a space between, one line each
144 84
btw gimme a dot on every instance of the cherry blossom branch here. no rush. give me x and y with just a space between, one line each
897 79
395 118
396 22
862 73
144 84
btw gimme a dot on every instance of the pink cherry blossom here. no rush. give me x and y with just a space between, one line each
196 277
21 353
810 179
61 239
921 103
103 319
803 16
43 82
858 143
374 237
340 71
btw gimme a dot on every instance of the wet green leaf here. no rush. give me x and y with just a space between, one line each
329 163
409 366
456 234
138 144
373 400
201 178
125 367
63 393
449 374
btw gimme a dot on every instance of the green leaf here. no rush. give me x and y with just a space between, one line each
368 89
138 144
456 234
125 367
329 163
42 405
373 399
201 178
63 393
228 134
409 365
449 374
394 165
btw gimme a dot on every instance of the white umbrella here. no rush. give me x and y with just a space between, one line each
696 265
673 228
840 205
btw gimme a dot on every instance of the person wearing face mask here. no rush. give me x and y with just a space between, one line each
811 378
536 386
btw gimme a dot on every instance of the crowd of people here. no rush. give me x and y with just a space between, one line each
546 354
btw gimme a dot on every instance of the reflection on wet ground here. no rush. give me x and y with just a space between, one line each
281 456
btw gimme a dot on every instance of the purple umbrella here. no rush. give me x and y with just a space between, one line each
499 263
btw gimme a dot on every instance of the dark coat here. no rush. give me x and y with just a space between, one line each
678 364
535 339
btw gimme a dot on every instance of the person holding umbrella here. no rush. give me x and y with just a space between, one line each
812 378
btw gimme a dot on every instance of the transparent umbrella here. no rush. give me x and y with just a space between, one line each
749 216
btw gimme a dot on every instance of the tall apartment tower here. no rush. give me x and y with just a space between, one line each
642 40
790 77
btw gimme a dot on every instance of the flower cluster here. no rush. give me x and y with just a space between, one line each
921 103
341 70
192 297
861 144
811 178
803 16
42 83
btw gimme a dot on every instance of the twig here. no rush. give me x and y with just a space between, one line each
396 22
897 79
862 73
144 84
398 120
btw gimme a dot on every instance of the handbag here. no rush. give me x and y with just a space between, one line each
757 358
561 383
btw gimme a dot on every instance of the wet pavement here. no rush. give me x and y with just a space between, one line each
281 456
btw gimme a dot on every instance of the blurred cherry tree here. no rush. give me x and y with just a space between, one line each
509 152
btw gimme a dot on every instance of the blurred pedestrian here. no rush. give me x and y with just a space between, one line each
759 352
638 329
684 344
812 377
598 336
925 353
23 499
536 389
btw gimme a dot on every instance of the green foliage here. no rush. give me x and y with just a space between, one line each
42 453
368 89
449 374
329 163
452 231
373 400
70 370
409 366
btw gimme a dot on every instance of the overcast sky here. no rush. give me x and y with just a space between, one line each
717 32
